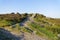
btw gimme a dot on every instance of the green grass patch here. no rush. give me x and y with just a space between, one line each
44 31
5 23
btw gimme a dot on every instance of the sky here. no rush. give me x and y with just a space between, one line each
50 8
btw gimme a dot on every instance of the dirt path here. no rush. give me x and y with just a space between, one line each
26 20
23 35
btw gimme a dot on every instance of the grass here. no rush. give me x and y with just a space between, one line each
46 31
5 23
43 31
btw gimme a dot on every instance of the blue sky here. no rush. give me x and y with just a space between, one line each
50 8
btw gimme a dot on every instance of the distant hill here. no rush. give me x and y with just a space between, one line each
30 26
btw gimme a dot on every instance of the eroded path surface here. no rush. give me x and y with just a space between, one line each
28 36
23 35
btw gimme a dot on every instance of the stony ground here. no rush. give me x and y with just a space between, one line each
22 35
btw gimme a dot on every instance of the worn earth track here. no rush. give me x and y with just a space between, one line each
23 35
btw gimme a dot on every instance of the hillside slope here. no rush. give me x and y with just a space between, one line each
30 27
